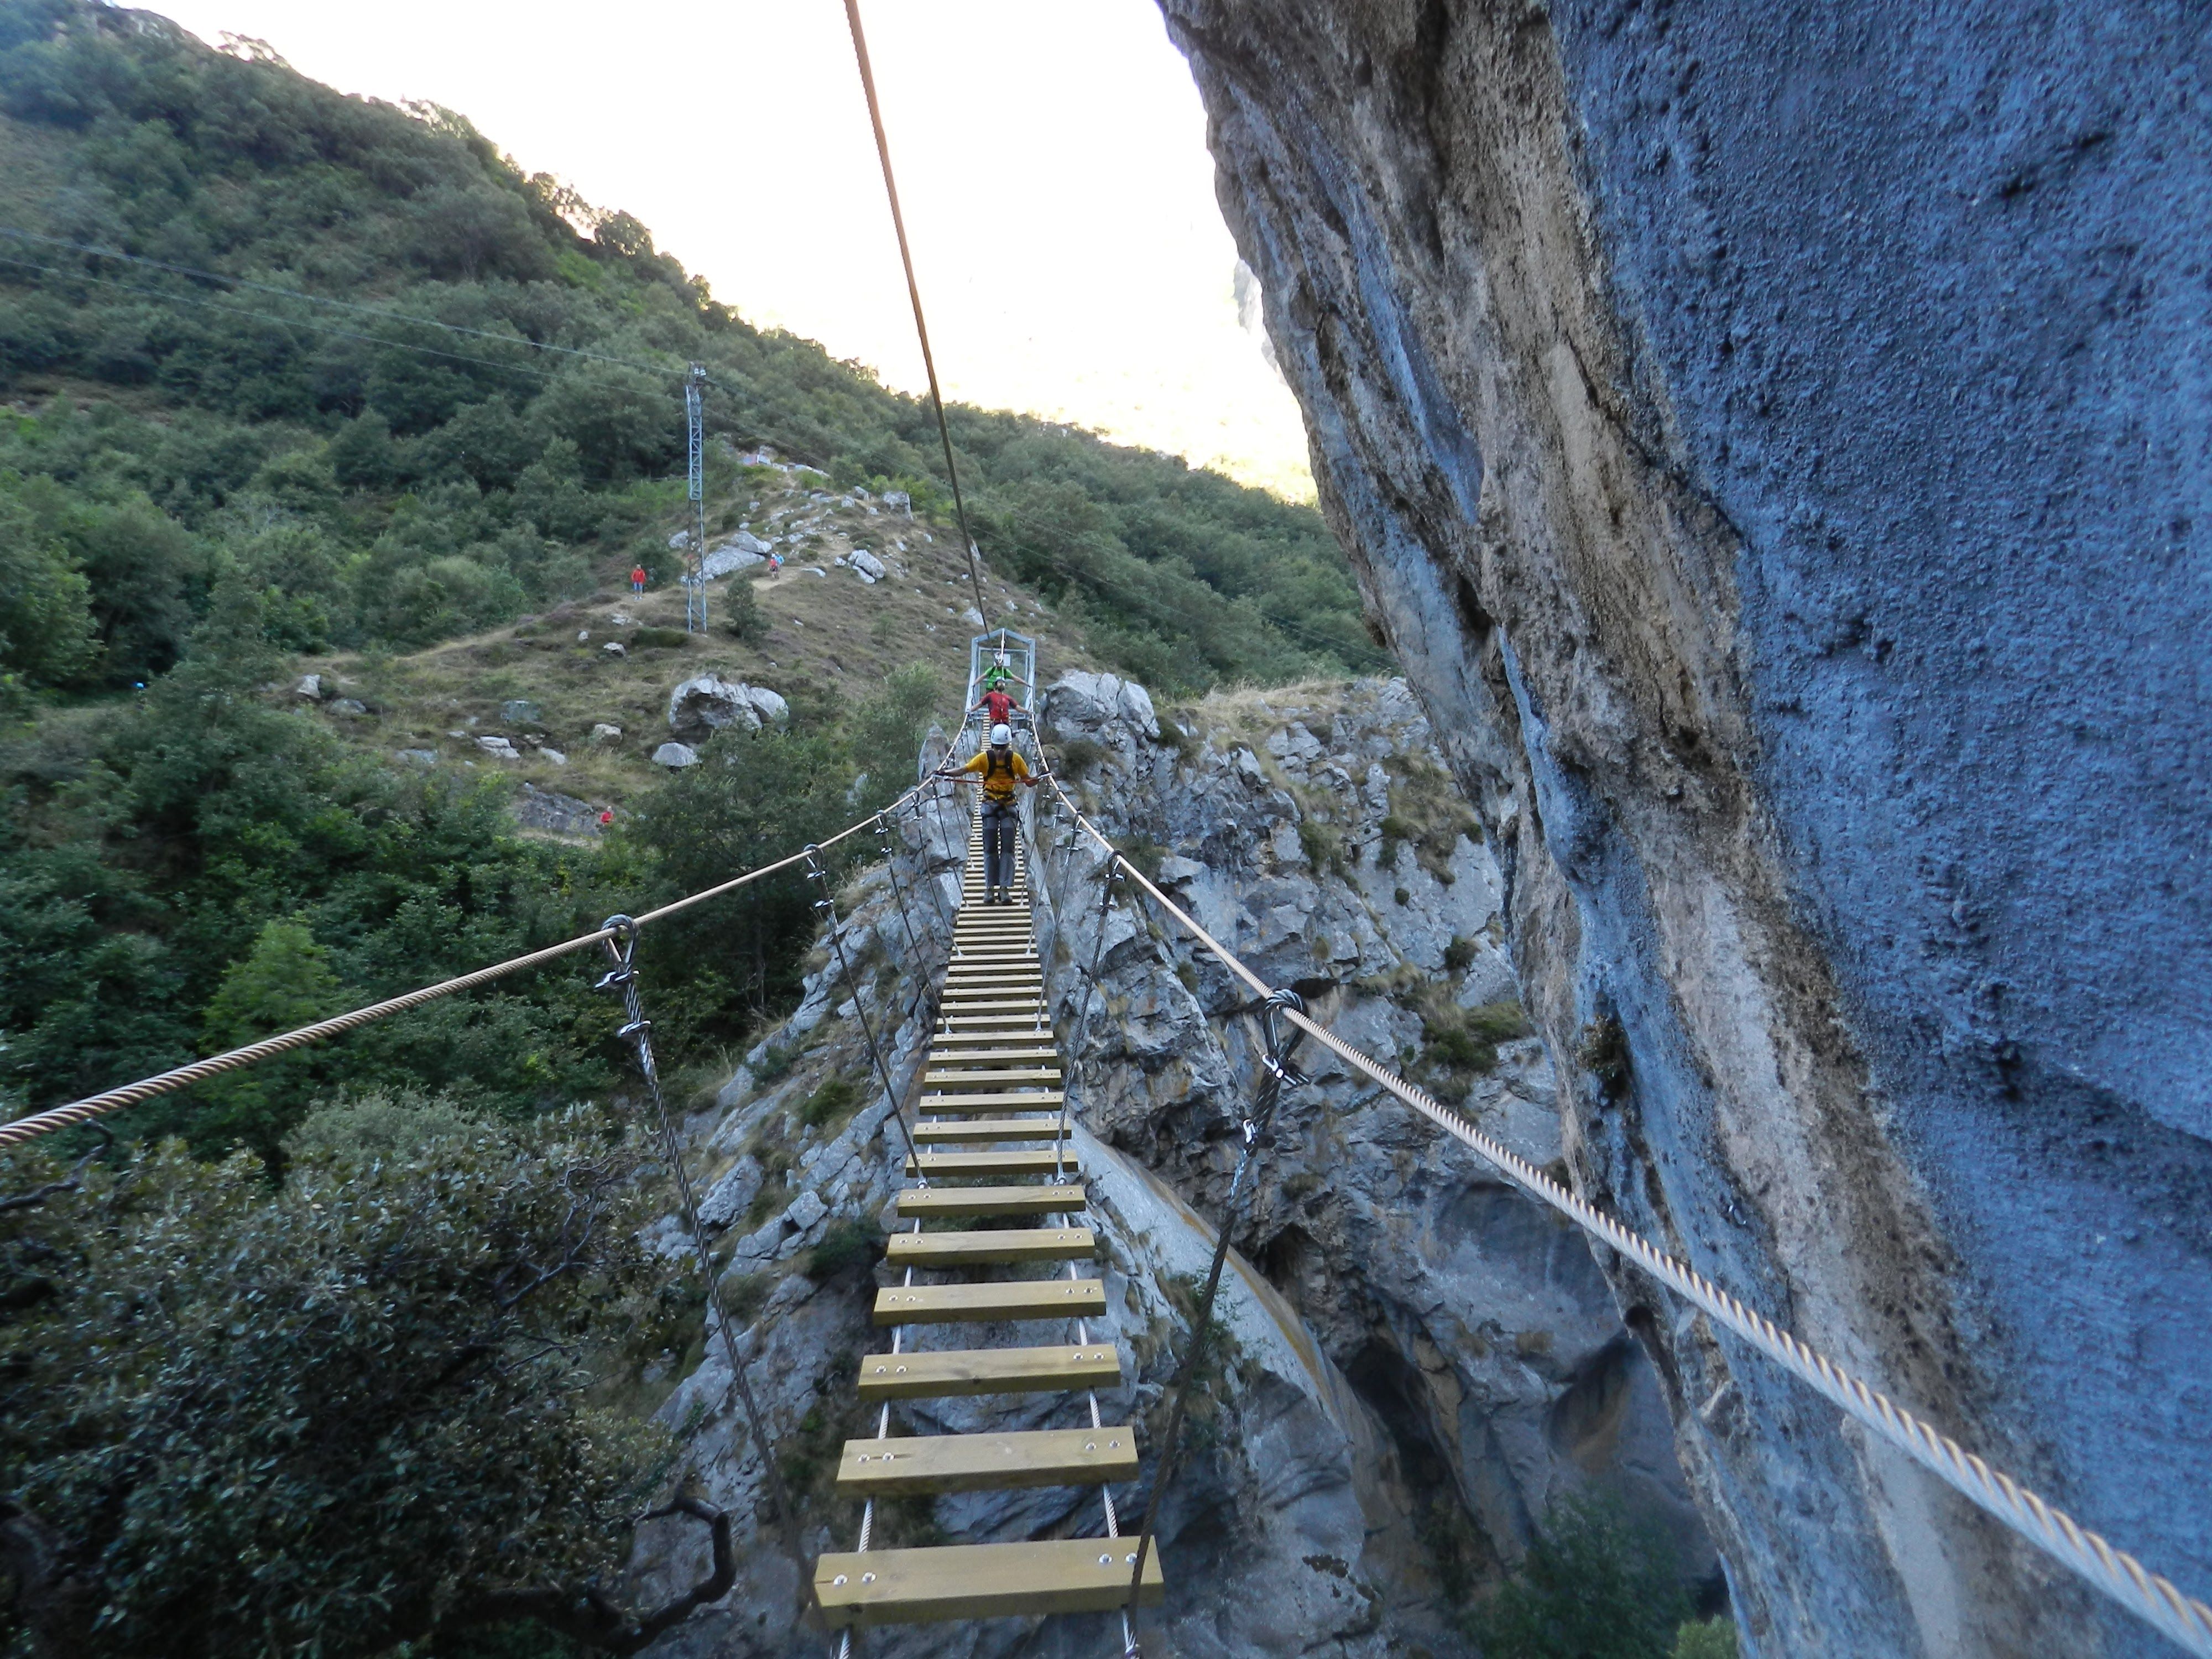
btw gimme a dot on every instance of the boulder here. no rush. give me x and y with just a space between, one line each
703 706
520 711
869 566
560 815
732 1195
498 748
739 552
417 756
604 732
350 709
1083 703
615 648
768 705
310 687
675 756
972 616
553 755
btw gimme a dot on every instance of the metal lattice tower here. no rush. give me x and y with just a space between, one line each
694 574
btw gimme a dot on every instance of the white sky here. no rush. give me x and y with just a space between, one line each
1051 159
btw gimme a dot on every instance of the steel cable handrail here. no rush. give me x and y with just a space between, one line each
2149 1596
29 1127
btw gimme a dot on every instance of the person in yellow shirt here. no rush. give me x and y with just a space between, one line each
1003 771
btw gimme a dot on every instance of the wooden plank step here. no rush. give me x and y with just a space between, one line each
981 1033
999 1057
995 1079
993 1299
987 1010
1040 1100
935 1374
969 1166
918 1203
1000 979
984 1130
918 1465
983 1581
983 1249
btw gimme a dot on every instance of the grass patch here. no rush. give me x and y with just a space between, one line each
831 1105
775 1064
1498 1022
659 639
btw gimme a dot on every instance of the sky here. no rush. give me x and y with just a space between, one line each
1051 162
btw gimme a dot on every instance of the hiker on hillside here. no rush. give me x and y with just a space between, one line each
1002 770
774 566
637 578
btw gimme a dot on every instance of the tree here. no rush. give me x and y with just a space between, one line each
47 634
286 981
350 1410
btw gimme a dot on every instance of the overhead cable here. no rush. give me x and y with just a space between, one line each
914 293
2118 1574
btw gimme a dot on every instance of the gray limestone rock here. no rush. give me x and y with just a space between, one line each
1674 398
560 815
675 756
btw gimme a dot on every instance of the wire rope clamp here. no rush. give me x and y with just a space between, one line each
1280 1048
623 947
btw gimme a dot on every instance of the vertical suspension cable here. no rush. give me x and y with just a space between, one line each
914 293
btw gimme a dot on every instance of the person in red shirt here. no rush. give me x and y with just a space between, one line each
637 578
997 705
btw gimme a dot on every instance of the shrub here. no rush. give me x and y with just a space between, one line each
1402 897
659 639
845 1243
319 1416
1707 1638
1459 955
1602 1051
1596 1585
775 1064
1077 757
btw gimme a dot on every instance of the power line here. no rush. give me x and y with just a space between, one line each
914 293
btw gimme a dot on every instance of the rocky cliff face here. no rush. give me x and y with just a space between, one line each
1419 1360
1772 439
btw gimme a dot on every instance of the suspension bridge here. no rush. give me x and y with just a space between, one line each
988 1141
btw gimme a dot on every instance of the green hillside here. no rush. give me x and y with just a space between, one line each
357 363
296 382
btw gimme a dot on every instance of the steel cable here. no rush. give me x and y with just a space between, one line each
914 293
2151 1597
32 1126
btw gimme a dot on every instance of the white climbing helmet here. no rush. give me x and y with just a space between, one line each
1001 736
